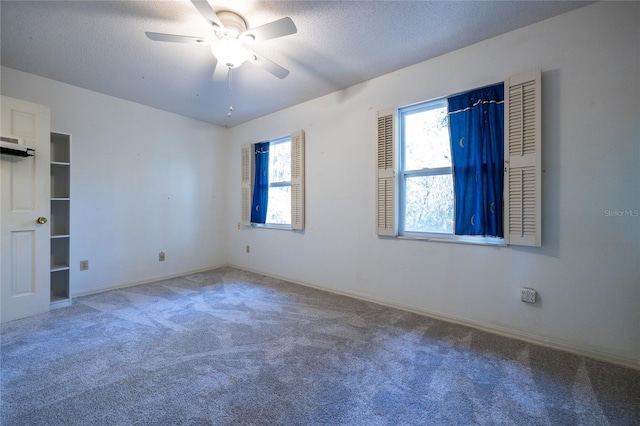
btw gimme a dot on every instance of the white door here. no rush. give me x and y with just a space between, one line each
25 183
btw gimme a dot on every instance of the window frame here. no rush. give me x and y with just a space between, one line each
403 173
279 184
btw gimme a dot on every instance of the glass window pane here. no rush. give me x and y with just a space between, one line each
426 139
429 204
279 206
280 162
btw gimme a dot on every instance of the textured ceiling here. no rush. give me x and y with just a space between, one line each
101 46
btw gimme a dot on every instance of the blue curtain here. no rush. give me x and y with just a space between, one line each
260 183
476 126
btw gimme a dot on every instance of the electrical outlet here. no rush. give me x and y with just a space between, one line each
84 265
161 257
528 295
248 249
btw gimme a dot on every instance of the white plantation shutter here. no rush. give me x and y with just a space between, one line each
247 183
297 180
522 160
386 190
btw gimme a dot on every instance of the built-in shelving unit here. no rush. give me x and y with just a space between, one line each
60 203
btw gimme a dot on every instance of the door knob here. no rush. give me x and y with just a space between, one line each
41 220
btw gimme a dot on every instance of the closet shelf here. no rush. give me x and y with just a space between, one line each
55 268
60 219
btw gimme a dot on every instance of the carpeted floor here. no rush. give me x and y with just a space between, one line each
231 347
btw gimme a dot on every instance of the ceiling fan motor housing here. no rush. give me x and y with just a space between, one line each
234 24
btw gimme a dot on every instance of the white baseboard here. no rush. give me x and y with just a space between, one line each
145 281
502 331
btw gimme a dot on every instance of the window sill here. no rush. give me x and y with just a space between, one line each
442 238
272 226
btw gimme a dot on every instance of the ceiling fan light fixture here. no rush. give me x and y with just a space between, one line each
249 38
230 35
230 52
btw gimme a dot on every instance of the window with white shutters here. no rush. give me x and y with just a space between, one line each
522 169
285 208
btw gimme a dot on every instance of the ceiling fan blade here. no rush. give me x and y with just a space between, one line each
268 65
279 28
207 12
177 38
220 72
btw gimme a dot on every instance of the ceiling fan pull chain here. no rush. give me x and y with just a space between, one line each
230 91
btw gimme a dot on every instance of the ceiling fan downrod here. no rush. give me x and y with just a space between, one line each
230 92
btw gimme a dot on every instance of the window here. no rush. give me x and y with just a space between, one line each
430 185
273 175
279 204
432 196
426 183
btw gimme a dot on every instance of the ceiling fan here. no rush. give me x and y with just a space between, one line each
230 35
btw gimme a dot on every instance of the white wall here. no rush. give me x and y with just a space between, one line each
142 181
586 273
